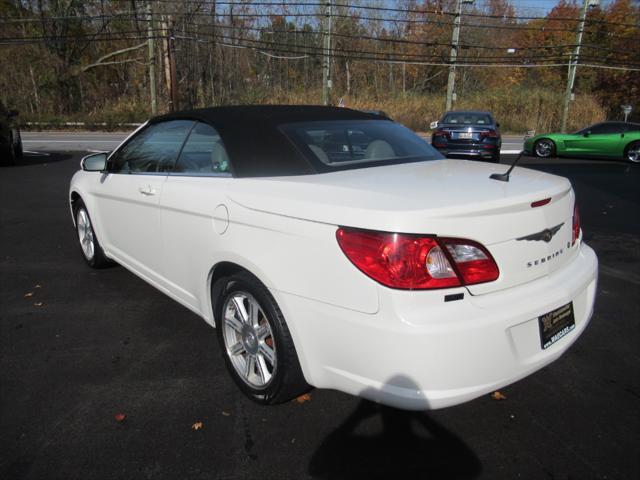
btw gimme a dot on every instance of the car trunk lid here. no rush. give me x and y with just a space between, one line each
464 135
450 198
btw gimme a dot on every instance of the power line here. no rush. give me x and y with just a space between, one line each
300 53
390 9
310 15
350 54
308 49
124 15
461 65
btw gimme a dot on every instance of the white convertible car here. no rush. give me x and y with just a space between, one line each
336 249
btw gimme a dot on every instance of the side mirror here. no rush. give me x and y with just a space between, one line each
13 113
433 125
497 125
96 162
586 134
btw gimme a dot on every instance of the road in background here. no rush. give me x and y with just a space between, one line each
107 141
78 346
46 142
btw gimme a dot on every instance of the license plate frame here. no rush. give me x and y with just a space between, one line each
556 324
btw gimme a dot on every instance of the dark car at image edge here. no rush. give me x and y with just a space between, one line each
468 134
10 140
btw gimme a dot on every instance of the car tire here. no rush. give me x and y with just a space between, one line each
7 153
89 245
18 152
632 152
255 341
496 158
544 148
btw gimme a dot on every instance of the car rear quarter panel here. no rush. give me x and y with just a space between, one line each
297 257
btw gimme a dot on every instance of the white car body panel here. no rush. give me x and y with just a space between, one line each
410 349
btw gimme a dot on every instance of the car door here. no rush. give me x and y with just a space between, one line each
600 140
194 213
129 195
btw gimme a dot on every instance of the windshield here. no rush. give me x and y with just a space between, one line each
467 118
358 143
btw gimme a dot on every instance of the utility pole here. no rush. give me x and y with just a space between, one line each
573 64
326 66
170 67
451 83
175 101
152 62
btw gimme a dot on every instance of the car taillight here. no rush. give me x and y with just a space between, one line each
473 261
576 225
489 134
442 133
414 262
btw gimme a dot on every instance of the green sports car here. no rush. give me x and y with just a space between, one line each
619 140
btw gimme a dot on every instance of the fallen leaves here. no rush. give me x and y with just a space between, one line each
305 397
119 417
31 294
498 395
197 426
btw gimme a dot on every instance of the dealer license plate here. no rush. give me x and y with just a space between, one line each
556 324
465 135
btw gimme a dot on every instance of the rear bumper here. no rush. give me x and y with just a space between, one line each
475 150
419 352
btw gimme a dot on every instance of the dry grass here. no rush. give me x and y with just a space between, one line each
518 109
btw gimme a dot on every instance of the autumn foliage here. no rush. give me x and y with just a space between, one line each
89 60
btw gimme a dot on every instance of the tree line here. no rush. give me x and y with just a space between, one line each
91 60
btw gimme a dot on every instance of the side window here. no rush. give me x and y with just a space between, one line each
153 149
203 153
603 128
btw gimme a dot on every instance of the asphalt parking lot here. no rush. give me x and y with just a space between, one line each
78 347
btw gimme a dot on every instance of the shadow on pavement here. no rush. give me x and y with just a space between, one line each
614 177
38 158
377 441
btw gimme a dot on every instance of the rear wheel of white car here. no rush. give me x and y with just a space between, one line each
256 343
544 148
89 245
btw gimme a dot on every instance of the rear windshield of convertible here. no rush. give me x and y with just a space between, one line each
358 143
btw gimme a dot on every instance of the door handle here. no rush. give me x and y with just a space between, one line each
148 191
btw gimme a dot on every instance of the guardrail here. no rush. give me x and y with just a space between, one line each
80 124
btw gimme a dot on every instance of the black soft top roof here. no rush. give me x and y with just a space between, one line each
256 146
244 116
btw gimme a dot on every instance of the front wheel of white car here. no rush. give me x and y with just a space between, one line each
89 245
256 343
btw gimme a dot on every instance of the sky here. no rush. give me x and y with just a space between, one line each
532 7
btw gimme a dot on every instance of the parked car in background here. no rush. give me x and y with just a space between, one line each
384 271
10 141
616 140
468 134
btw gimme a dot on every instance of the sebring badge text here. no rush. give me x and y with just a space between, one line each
551 256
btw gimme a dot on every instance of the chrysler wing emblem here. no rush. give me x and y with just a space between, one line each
545 235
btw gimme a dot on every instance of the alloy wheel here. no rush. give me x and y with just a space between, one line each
248 340
85 234
633 154
544 148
